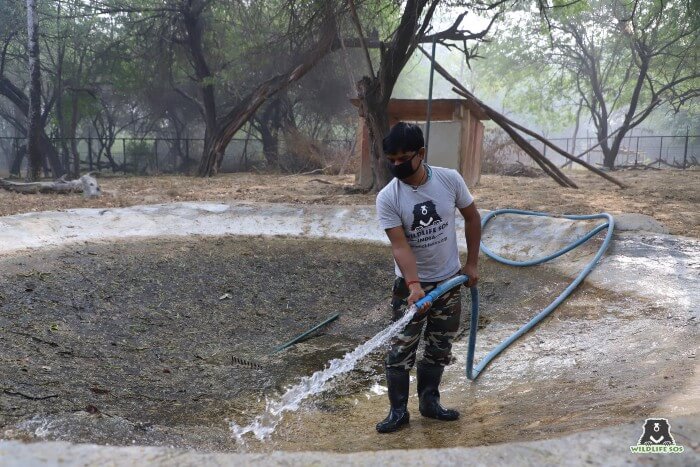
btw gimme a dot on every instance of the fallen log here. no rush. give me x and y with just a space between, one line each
518 169
87 184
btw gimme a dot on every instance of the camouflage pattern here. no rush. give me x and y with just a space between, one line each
442 326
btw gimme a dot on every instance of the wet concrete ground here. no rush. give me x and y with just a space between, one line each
599 360
132 343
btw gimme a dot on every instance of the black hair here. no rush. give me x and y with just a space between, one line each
403 137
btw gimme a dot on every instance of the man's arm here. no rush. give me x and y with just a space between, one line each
407 263
472 232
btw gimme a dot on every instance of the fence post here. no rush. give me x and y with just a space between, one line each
685 149
588 145
629 148
155 150
636 153
661 147
124 156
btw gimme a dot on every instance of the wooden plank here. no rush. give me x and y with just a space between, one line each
464 154
474 165
364 174
416 109
478 149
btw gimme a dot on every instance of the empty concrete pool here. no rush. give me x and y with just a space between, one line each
156 326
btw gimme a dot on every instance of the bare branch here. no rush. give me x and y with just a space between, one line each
358 26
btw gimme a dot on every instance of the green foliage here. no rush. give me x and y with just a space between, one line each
140 156
543 66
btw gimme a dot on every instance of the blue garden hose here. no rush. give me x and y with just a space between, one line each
474 372
440 289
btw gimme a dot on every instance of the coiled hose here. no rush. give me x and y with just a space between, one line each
472 371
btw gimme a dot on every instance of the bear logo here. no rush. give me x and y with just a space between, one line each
424 215
657 431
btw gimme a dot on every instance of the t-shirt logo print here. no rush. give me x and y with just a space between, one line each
424 214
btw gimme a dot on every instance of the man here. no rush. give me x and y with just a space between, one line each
417 211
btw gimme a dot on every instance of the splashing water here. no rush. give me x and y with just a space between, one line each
264 425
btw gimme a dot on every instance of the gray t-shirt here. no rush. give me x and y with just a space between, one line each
428 219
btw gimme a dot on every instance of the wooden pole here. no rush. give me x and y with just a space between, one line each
430 102
685 150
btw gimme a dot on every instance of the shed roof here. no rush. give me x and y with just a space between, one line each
442 109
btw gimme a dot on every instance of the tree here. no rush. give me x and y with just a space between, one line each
210 49
14 63
374 90
321 32
34 117
621 59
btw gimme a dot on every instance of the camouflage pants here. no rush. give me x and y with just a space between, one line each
441 329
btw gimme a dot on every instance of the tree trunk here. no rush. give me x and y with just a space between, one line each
59 101
106 135
34 111
608 155
72 131
108 154
374 92
64 157
575 136
615 148
65 152
216 144
278 116
374 109
21 101
49 151
16 168
193 25
271 145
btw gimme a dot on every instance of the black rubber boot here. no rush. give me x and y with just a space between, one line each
429 377
397 383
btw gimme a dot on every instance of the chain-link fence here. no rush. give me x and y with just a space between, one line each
144 156
679 152
147 156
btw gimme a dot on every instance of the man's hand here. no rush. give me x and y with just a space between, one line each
416 294
473 273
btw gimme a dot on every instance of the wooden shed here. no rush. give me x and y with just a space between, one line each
456 135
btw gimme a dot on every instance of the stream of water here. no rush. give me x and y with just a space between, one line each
264 424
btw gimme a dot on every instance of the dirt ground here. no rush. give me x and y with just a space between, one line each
173 335
670 196
160 342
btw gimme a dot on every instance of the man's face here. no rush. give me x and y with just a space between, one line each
403 165
401 157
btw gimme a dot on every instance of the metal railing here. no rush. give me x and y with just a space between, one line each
144 156
679 152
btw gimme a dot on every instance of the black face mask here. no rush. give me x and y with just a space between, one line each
404 169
